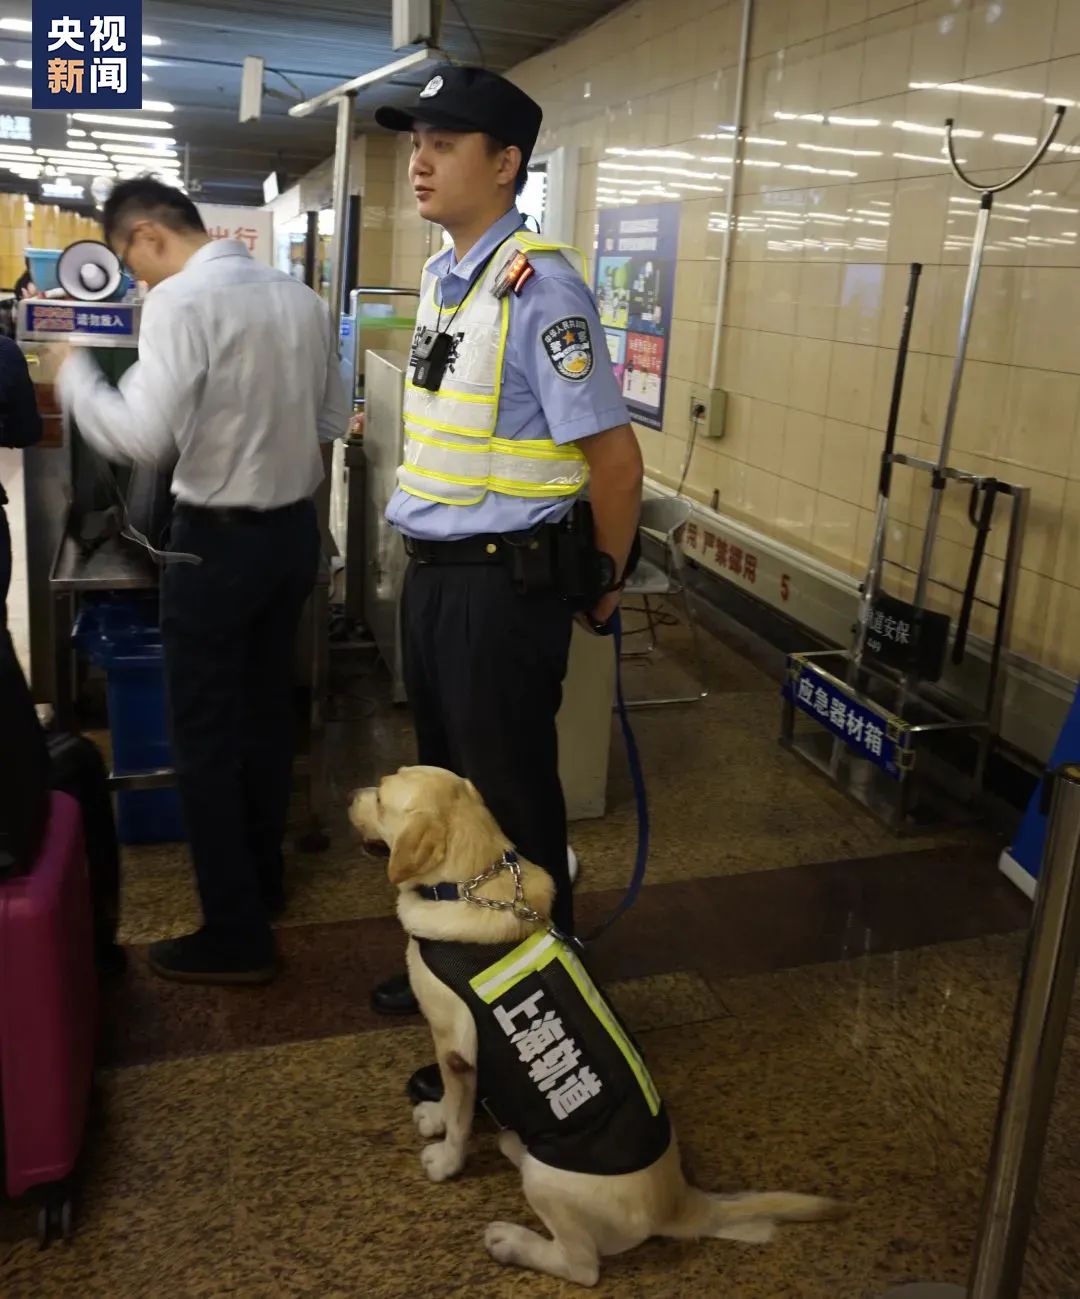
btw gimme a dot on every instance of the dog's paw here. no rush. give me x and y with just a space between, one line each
428 1117
441 1161
501 1240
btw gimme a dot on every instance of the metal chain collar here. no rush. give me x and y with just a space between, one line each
508 862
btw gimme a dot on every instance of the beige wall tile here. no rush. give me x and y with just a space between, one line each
769 30
918 225
835 528
818 300
939 41
1040 420
1008 34
841 70
887 60
858 315
1045 549
981 413
767 363
843 461
851 382
683 351
765 449
800 77
1031 612
762 496
1061 645
1048 319
1067 563
845 13
804 442
811 359
779 297
1067 29
795 507
807 20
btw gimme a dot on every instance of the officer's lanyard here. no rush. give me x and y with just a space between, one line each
471 285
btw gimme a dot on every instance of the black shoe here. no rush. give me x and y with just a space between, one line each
425 1085
203 958
394 997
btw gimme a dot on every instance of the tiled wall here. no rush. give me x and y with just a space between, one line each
842 185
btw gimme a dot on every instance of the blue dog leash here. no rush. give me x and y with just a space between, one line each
614 629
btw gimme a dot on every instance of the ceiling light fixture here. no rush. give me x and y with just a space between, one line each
165 141
139 123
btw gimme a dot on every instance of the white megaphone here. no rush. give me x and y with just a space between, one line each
90 271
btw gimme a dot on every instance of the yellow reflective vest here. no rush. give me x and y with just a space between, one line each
452 455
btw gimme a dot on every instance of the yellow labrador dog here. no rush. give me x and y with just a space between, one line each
518 1023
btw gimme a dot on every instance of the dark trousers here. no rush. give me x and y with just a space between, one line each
484 668
5 561
229 628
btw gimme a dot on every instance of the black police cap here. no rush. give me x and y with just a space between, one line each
471 99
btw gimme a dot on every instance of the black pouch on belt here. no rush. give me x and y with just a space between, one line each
584 572
530 559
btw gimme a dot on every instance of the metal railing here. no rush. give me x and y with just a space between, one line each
1031 1069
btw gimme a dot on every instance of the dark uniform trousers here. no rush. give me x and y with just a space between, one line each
229 630
484 667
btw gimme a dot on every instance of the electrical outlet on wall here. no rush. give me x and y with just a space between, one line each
709 406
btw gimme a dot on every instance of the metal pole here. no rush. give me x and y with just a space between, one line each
872 582
342 149
1038 1035
938 485
311 251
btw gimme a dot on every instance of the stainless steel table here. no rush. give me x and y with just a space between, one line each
120 565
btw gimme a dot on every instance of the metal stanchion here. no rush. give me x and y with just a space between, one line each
1038 1034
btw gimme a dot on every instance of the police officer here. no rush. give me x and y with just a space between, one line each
510 408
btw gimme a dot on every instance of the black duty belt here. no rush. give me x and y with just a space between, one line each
491 548
240 514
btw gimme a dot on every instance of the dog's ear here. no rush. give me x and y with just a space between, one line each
473 792
419 847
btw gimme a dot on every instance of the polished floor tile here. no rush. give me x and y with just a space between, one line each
824 1009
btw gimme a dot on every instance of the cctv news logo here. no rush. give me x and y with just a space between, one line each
87 54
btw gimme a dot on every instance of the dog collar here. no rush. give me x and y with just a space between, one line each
439 892
448 892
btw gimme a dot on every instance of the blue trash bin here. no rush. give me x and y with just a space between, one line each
121 635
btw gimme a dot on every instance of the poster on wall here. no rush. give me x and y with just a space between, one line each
636 256
251 225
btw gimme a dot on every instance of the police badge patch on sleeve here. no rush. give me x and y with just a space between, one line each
568 344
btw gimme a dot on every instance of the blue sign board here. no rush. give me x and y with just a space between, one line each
107 319
861 728
87 54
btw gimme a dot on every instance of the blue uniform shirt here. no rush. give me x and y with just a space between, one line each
536 401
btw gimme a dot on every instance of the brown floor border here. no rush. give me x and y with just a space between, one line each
721 927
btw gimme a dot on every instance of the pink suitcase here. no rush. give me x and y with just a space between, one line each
48 1015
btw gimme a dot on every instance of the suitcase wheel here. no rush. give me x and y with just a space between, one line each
56 1216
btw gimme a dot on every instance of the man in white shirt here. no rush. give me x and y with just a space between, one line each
235 388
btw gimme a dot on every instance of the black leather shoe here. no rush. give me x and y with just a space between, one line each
425 1085
395 997
203 958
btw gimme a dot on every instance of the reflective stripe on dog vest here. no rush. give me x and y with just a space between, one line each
555 1063
452 455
